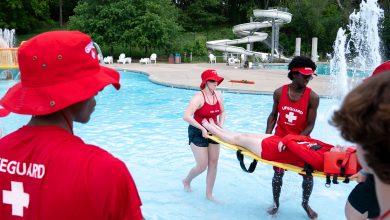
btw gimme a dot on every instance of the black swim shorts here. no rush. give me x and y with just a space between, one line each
195 137
363 198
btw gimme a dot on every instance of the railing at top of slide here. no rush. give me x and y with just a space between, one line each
8 58
248 32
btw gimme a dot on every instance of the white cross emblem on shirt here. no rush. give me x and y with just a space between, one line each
17 198
291 117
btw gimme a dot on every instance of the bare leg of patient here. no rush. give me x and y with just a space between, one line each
251 143
234 134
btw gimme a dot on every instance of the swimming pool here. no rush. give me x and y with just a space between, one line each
322 69
142 125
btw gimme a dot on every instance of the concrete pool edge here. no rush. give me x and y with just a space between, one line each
187 76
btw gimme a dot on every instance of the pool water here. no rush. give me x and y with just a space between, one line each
142 125
322 69
4 72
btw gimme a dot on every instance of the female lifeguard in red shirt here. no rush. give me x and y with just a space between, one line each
206 104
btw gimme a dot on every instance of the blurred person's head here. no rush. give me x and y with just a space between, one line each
364 118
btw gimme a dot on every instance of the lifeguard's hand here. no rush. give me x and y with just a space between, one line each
337 148
281 146
204 133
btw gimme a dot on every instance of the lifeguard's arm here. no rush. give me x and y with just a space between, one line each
289 139
195 103
314 101
222 116
273 116
360 176
312 157
294 137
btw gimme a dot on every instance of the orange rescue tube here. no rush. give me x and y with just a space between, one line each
241 81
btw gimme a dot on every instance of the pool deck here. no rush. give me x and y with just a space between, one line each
188 76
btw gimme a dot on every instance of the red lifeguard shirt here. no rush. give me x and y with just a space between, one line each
208 111
47 173
292 115
271 152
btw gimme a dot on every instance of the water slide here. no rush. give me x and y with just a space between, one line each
248 33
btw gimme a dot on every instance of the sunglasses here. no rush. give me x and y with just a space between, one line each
212 81
309 77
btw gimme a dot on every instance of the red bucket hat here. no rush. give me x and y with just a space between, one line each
210 74
3 112
57 69
382 68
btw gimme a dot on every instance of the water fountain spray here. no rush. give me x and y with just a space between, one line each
8 54
357 49
7 38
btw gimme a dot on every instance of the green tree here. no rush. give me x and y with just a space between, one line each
203 14
312 18
24 15
64 6
127 23
155 24
106 21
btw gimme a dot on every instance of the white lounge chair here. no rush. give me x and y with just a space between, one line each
144 61
153 57
212 58
123 59
108 60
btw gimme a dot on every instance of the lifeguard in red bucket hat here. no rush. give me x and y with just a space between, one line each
53 173
205 104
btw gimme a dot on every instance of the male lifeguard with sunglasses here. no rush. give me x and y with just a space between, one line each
296 105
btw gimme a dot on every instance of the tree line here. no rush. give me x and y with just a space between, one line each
168 26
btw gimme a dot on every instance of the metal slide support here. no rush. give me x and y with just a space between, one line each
273 40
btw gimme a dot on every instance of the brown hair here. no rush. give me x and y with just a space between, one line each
364 118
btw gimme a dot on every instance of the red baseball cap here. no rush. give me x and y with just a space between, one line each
57 69
210 74
301 70
304 71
